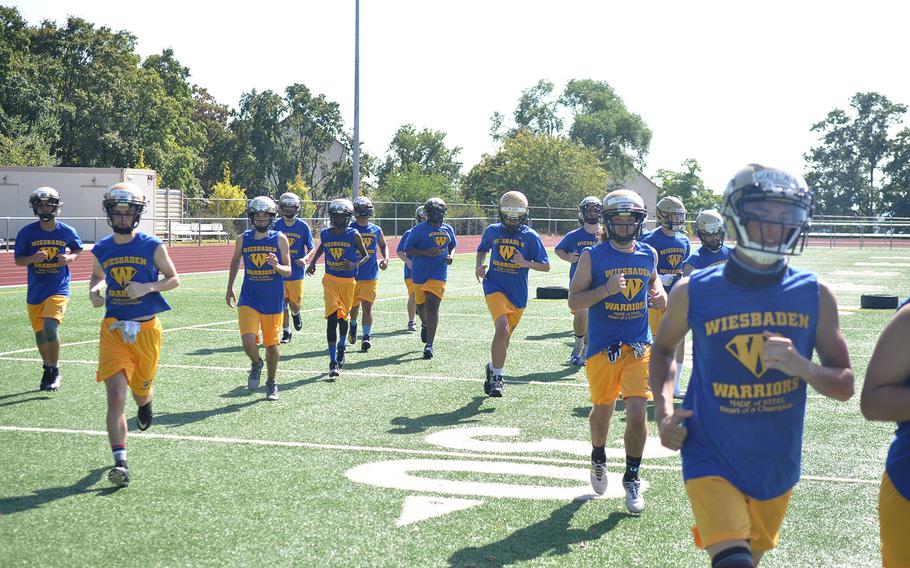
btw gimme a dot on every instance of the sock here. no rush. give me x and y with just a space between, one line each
53 369
367 329
734 557
632 465
287 328
598 454
119 453
333 353
496 372
679 370
579 344
293 313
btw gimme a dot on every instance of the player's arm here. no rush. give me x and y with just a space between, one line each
232 271
687 269
282 265
399 252
657 294
885 394
311 268
662 368
581 295
570 257
22 259
165 267
834 377
96 284
362 250
384 251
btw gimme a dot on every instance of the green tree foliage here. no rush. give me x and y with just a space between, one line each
688 186
537 112
220 140
861 164
550 170
232 199
299 187
413 185
424 152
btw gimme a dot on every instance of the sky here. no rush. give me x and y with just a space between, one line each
726 83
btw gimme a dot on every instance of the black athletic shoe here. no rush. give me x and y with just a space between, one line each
352 333
488 382
286 336
365 344
144 416
297 323
496 388
119 475
334 369
428 351
423 334
340 356
54 380
45 378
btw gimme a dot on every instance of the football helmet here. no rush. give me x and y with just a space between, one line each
623 203
262 204
513 209
45 196
709 226
420 215
435 209
589 210
340 212
363 207
123 195
289 204
671 214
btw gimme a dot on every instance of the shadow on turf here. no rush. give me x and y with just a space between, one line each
21 400
550 537
41 497
555 335
584 411
463 415
567 371
213 350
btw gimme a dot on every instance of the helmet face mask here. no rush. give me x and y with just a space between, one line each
289 204
363 207
769 212
623 216
435 209
671 214
261 212
124 204
420 215
709 226
589 210
513 210
48 200
340 213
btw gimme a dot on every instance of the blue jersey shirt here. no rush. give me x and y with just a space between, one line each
703 258
125 263
576 241
339 248
504 275
263 286
672 253
300 242
370 235
747 422
51 277
622 317
400 248
425 236
898 462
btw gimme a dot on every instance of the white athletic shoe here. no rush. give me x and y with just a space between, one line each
635 503
599 477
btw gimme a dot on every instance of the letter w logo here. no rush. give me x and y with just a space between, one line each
633 287
367 241
336 252
506 252
674 259
258 258
748 350
123 274
441 241
51 253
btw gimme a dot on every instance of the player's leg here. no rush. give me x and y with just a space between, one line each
498 350
603 384
412 306
331 337
431 319
286 335
294 294
634 439
367 321
271 323
115 420
580 331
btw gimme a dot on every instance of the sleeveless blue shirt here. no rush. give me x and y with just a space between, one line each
263 286
130 262
370 235
339 248
898 462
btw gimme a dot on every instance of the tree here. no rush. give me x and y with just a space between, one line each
220 141
537 112
424 152
855 167
231 198
300 188
688 186
550 170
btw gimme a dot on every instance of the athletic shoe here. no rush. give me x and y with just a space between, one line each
412 325
252 380
680 394
578 359
339 356
635 503
428 351
286 336
144 416
54 381
45 379
352 333
365 344
488 381
119 475
496 388
423 333
334 369
271 390
297 323
599 477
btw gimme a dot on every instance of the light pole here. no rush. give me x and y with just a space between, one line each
356 98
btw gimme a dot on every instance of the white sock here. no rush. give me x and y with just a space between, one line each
579 344
293 313
496 372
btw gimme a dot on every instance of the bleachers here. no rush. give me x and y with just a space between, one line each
190 231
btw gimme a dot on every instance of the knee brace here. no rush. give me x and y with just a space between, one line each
39 338
50 330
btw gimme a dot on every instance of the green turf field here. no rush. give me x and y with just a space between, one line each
399 462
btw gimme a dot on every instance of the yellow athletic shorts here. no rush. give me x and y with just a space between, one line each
894 524
435 287
293 291
499 305
52 307
722 512
251 321
338 294
409 284
655 315
138 361
366 290
628 375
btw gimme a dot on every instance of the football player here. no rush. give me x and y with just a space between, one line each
709 226
300 241
419 217
368 273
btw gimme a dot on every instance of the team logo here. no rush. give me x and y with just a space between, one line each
123 274
506 252
441 240
748 349
367 241
674 259
259 258
51 253
291 241
633 287
336 252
